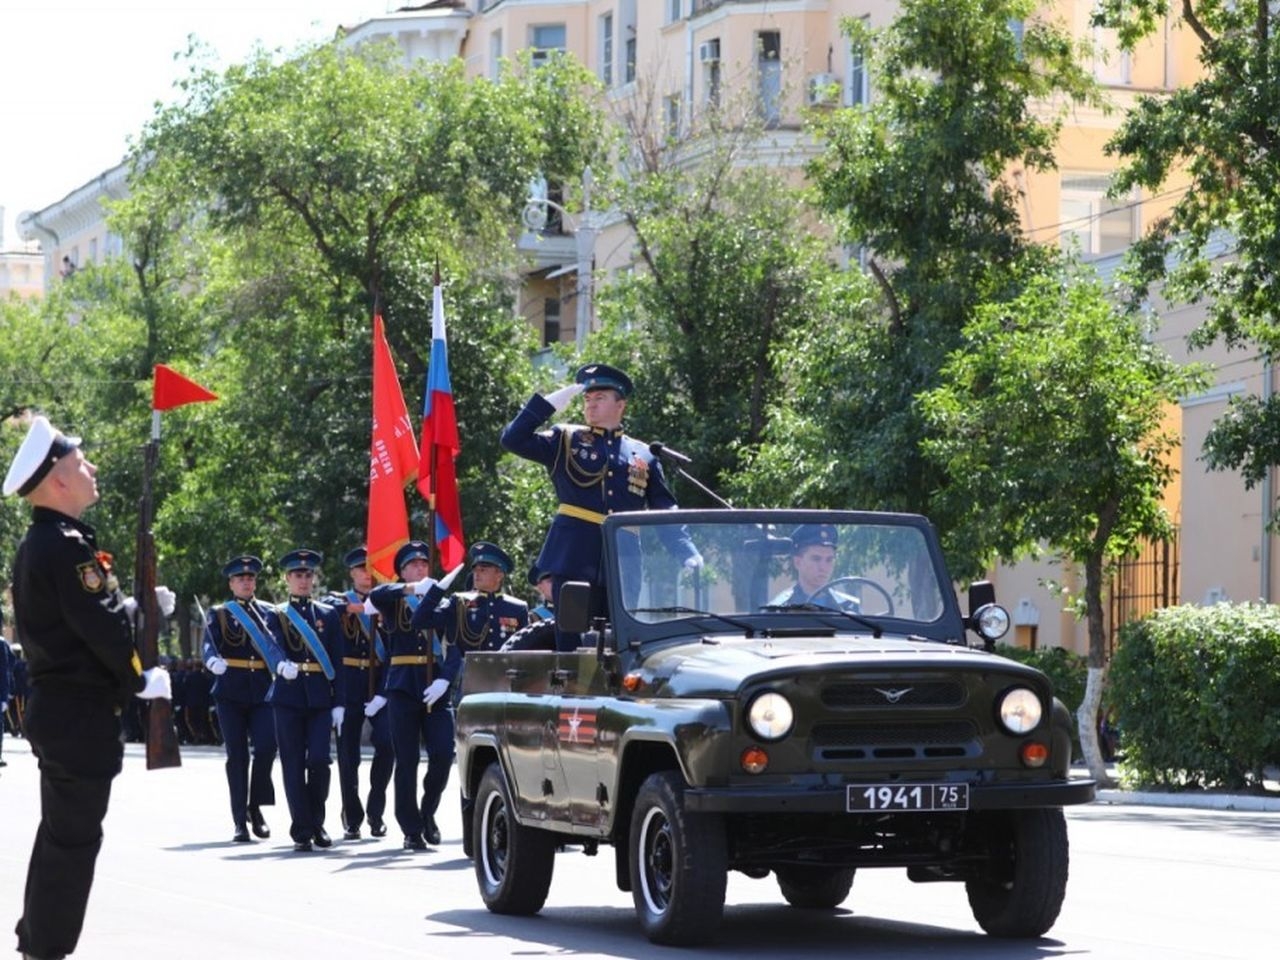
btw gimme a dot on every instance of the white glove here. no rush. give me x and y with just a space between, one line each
435 690
167 600
338 713
287 669
217 666
374 705
694 562
4 705
369 607
560 399
419 587
158 684
130 607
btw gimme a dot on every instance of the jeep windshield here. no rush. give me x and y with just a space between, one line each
816 571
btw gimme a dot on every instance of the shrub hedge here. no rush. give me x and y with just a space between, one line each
1196 692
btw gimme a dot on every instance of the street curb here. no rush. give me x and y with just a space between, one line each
1241 803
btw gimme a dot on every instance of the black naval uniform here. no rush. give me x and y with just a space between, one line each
83 669
240 700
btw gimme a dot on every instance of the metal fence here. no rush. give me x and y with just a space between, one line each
1143 584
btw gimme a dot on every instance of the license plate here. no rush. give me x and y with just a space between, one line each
861 797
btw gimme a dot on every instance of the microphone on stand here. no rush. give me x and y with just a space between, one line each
675 456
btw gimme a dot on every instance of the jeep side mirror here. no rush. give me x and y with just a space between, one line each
573 607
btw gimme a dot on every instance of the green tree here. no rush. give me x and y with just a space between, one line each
1220 133
917 180
1050 427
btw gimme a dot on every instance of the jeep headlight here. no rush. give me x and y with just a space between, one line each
1020 710
770 716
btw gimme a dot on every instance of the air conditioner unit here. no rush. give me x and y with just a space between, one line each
709 51
822 89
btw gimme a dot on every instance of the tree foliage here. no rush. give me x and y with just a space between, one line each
1220 133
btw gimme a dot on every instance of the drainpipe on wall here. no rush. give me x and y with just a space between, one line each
1264 555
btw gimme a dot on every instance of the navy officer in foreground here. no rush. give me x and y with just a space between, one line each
77 638
596 470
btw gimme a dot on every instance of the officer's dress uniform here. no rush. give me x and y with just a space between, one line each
595 472
416 659
240 703
83 670
303 709
823 597
363 654
473 621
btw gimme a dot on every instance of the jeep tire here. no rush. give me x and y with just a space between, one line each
679 864
513 863
1026 877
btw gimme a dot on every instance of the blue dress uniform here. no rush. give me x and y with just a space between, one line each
595 472
545 610
363 654
417 658
309 635
239 633
815 535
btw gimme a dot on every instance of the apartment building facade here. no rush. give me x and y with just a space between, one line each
672 61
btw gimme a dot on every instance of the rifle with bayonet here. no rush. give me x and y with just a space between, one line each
162 736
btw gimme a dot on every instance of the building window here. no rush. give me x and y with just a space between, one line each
606 49
671 115
769 70
629 68
1097 223
495 54
550 321
673 10
1110 63
545 40
857 84
709 57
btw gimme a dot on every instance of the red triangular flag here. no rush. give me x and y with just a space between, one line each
172 389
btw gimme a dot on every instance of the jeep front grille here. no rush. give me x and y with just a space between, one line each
895 741
932 693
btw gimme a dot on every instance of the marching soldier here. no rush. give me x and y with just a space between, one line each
596 470
364 656
418 676
306 697
239 652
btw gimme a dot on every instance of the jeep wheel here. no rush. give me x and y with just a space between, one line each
513 863
679 864
815 888
1026 878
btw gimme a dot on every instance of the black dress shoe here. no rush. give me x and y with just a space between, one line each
242 835
377 827
322 838
260 828
432 832
351 834
415 843
302 846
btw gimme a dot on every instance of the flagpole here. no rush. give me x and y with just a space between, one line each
432 550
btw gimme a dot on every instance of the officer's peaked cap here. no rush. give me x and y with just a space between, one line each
42 447
814 534
536 576
413 550
482 551
601 376
247 563
356 558
302 559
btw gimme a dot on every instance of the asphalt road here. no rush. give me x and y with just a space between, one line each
1177 884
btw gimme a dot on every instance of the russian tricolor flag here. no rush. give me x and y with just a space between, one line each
437 478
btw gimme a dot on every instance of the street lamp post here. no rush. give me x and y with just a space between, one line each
584 236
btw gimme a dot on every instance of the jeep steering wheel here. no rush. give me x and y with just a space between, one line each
861 582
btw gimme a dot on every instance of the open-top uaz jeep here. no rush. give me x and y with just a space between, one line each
713 722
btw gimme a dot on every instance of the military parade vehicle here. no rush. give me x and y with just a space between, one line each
720 718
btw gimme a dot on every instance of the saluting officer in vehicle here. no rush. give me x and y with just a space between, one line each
306 696
238 651
596 470
418 675
364 655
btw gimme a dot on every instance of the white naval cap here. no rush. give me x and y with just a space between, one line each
42 447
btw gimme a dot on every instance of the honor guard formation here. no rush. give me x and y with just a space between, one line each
289 680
